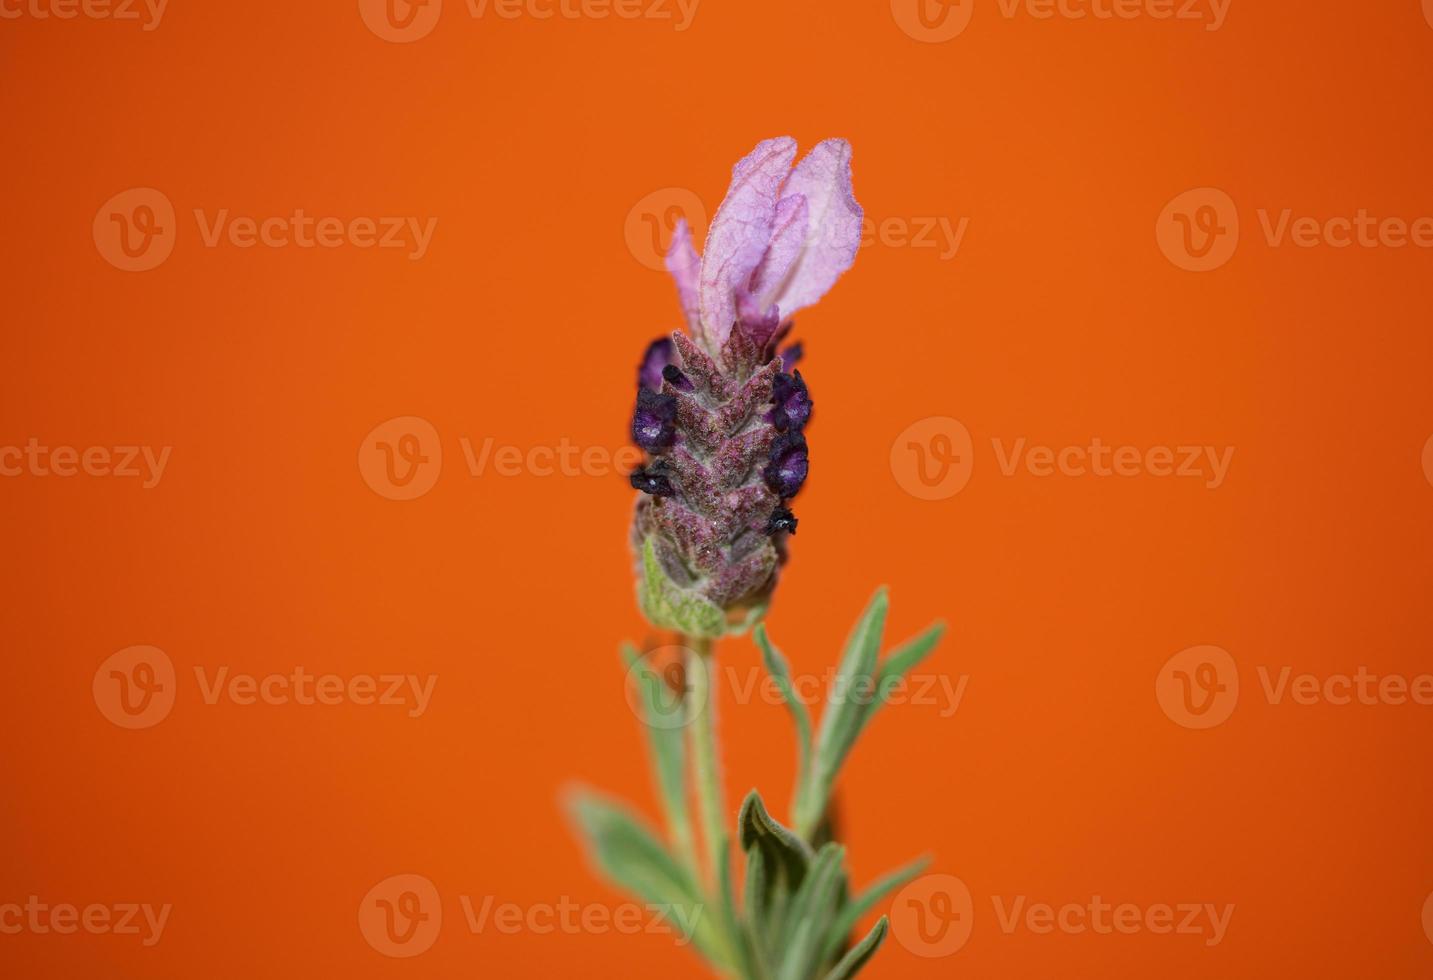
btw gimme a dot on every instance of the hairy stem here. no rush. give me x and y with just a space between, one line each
710 798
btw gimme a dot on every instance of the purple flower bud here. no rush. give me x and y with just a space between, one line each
658 355
652 480
792 402
789 464
781 520
673 376
654 423
791 356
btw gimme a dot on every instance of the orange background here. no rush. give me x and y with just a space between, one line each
530 141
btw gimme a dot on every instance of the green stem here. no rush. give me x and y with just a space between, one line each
710 798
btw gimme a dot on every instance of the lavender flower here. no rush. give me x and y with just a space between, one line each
720 410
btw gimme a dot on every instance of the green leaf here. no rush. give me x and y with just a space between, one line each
755 900
751 966
785 861
628 854
900 661
854 910
780 671
810 915
665 735
787 855
861 953
846 708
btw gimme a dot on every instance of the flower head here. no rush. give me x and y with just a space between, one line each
721 412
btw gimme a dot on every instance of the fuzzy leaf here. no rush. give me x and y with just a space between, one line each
630 856
754 900
861 953
665 735
846 709
787 855
780 671
904 657
852 912
810 915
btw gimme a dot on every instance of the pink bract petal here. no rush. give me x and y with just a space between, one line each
685 267
787 241
740 233
833 233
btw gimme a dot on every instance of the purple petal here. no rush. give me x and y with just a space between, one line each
685 267
654 423
740 233
791 356
658 355
833 233
791 401
789 464
787 241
